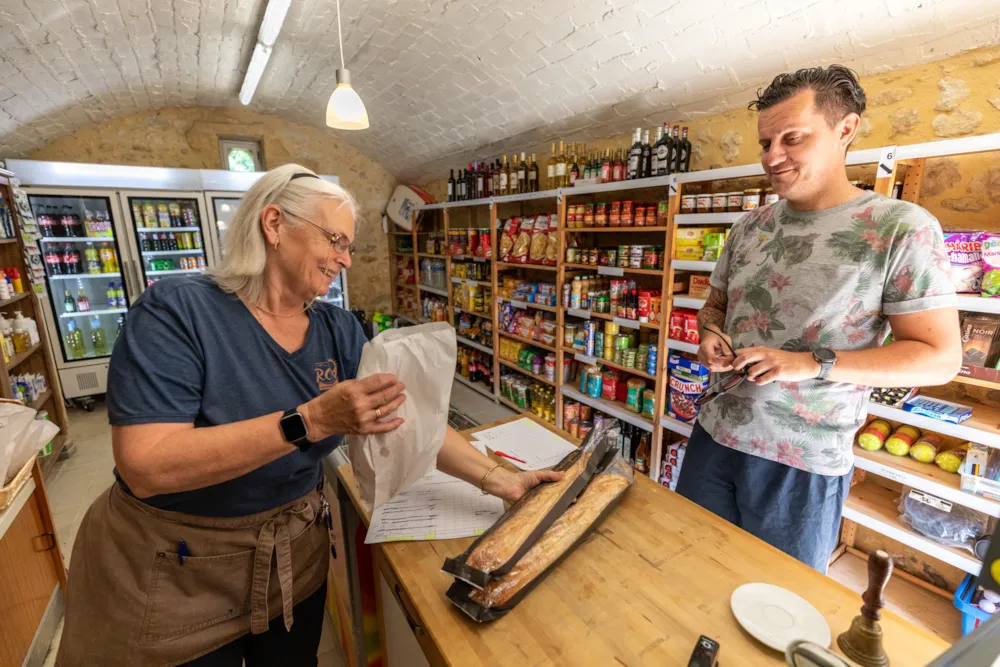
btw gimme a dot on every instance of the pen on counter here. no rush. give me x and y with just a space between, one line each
508 456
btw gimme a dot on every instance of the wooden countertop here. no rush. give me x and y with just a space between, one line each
656 574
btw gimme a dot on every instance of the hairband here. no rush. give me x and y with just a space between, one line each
302 174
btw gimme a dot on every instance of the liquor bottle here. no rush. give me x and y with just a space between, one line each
470 186
460 186
533 174
522 175
82 302
574 169
685 158
480 183
644 159
550 171
69 305
662 150
634 155
451 190
496 177
561 175
654 156
512 180
606 167
675 163
504 177
617 167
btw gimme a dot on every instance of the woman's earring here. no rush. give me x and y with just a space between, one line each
275 246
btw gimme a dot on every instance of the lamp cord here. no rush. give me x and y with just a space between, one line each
340 38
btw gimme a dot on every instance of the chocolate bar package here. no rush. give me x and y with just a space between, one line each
502 594
496 551
979 335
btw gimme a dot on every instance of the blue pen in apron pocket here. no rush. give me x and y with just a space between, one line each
182 551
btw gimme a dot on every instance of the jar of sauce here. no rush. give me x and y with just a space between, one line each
734 202
689 203
615 219
628 214
704 203
770 197
719 202
751 199
588 215
601 214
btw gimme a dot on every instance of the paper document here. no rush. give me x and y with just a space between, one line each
524 439
437 507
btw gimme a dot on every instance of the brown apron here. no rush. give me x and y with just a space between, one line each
152 587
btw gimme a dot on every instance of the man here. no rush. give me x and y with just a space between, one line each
805 291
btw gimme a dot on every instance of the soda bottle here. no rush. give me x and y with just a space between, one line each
197 240
53 260
46 223
68 303
112 296
98 338
173 241
175 214
120 296
144 242
121 323
113 259
201 262
157 245
71 260
82 302
93 262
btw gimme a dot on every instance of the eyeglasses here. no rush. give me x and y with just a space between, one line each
339 242
727 383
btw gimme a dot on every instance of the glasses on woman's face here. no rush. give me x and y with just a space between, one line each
339 242
727 383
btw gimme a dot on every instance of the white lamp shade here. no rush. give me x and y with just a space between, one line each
345 110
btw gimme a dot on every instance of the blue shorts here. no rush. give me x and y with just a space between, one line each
794 510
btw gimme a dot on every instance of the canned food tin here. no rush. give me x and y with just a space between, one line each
612 254
635 256
611 328
623 255
590 328
649 256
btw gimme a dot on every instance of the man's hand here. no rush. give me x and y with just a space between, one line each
713 353
769 365
512 485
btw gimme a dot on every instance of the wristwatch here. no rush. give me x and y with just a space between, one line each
826 358
294 428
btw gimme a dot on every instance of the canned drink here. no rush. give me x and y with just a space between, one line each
610 328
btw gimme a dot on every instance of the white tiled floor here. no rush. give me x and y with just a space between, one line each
75 482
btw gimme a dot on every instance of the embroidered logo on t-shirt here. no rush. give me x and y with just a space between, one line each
326 374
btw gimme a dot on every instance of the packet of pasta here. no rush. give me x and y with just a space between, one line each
522 244
498 550
503 593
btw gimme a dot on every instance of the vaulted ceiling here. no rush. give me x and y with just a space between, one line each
447 81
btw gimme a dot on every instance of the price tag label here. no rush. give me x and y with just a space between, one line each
470 282
887 162
672 185
628 324
584 359
610 271
576 312
932 501
519 304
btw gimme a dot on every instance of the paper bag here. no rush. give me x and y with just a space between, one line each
423 358
21 436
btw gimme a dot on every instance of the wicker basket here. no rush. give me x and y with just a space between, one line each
9 492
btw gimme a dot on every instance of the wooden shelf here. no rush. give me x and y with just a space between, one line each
614 270
616 229
613 408
402 253
59 443
692 265
982 427
475 386
685 301
510 404
923 476
469 312
470 281
8 302
40 401
433 290
976 382
430 255
586 359
534 343
6 241
672 424
538 378
680 345
473 344
874 507
539 267
21 356
708 218
525 304
620 321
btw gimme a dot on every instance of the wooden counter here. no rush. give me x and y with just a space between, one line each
656 574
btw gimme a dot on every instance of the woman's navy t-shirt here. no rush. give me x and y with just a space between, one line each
191 353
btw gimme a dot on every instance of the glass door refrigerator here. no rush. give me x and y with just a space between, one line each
169 232
83 244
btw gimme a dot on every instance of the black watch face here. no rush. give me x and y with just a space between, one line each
293 426
825 354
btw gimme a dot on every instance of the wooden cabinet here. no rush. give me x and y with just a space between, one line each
29 576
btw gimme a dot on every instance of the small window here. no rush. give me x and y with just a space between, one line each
241 155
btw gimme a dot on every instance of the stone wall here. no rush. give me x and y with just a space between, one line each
189 138
956 97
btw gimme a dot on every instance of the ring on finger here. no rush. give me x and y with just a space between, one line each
378 414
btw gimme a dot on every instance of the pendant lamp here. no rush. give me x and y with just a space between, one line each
345 110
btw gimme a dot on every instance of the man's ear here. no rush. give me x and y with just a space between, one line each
849 125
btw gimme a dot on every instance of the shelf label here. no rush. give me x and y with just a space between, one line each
519 304
611 271
470 282
886 162
672 185
576 312
628 324
584 359
932 501
478 259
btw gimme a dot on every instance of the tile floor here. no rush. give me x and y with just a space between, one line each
75 482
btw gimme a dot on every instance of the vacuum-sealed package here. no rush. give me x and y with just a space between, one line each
502 594
387 463
941 520
497 550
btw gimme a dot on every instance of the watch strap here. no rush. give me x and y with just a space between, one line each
301 442
825 366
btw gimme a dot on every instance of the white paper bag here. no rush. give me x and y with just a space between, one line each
423 358
21 436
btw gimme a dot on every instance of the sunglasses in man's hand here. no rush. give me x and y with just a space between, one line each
727 383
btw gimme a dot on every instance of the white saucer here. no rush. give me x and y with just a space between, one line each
776 616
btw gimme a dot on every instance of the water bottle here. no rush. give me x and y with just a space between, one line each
98 338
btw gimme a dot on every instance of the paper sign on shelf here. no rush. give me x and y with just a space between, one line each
886 162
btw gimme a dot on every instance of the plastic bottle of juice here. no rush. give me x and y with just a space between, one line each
91 259
112 294
98 337
82 302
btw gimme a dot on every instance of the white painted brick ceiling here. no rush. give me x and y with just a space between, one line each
446 81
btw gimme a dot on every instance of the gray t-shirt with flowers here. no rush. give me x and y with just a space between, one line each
799 281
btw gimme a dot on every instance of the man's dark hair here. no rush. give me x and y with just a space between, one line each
838 92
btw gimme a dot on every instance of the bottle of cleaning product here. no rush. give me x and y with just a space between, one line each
29 324
98 337
8 334
22 339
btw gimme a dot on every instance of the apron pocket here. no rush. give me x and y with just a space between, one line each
201 592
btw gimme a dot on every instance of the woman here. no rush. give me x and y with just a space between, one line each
225 393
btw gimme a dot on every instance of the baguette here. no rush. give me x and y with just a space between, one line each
498 546
562 535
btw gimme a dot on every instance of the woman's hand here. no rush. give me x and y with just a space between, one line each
510 486
354 407
714 352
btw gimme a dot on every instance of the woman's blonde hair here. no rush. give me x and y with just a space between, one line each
242 269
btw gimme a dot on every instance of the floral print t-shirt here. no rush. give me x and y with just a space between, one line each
799 281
